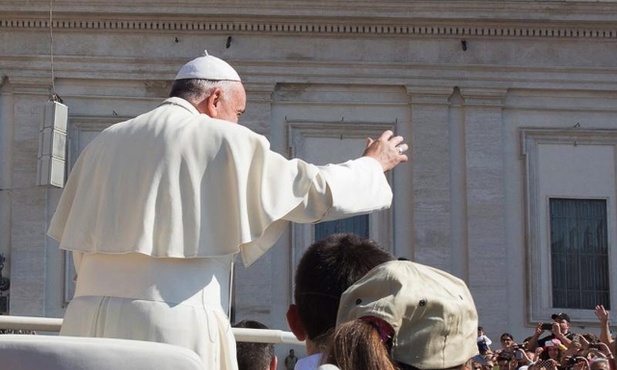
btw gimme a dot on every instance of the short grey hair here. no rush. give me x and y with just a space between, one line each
194 90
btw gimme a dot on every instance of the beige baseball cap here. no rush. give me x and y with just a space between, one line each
208 67
432 313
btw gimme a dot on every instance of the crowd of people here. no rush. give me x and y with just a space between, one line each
552 346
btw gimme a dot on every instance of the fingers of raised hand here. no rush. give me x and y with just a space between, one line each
402 148
396 140
386 135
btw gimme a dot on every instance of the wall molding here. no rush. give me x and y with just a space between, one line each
94 22
537 251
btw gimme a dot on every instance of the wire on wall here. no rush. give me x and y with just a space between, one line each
54 95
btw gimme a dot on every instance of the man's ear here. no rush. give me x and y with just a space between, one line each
293 320
211 104
273 363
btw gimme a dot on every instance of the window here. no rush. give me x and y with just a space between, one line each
329 123
571 212
321 143
357 225
579 253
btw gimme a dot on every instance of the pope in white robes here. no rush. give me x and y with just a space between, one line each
157 207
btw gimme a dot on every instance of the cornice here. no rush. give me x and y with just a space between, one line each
344 26
498 10
261 74
531 137
30 85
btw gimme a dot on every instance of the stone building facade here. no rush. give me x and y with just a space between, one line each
510 108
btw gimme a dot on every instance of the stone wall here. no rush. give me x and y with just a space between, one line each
471 75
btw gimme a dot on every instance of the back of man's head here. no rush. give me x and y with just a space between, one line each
200 76
326 270
254 356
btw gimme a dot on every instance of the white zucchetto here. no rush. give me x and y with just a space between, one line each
208 67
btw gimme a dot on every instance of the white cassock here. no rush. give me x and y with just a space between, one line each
157 207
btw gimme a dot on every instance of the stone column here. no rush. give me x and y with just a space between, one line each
6 183
486 199
430 160
458 188
258 107
28 262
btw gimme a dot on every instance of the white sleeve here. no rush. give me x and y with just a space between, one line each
357 187
343 190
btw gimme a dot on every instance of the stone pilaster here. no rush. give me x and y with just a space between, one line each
6 169
431 174
483 110
28 255
258 107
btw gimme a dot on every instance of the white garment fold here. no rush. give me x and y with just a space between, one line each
169 300
176 183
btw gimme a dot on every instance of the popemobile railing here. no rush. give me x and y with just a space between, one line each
48 324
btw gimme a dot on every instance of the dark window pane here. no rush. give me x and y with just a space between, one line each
579 253
357 225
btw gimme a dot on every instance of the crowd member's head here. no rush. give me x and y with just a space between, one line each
405 315
552 350
599 363
590 337
506 340
325 271
564 321
219 93
505 360
478 362
579 363
488 365
255 356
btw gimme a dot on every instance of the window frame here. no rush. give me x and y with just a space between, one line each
379 223
537 220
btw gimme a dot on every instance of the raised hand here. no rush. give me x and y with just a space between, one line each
388 150
602 314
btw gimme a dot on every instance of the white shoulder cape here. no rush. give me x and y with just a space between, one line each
176 183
